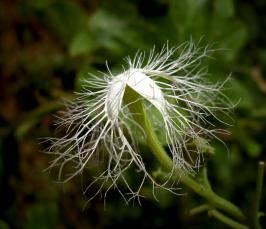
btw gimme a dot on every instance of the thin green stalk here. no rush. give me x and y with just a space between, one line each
140 116
200 209
260 176
200 189
226 220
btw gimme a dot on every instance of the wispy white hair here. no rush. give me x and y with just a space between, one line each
98 123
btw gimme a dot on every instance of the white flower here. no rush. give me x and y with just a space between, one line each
100 125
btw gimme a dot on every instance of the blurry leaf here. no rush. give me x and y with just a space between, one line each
196 19
252 147
230 35
240 94
118 211
3 225
114 34
164 197
223 163
188 19
81 44
224 8
35 115
66 19
107 29
259 113
42 216
83 74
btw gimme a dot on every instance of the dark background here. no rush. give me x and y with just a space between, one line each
48 46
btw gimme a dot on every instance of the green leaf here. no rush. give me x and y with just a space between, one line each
81 44
230 36
240 94
187 17
83 74
252 147
3 225
196 19
224 8
42 216
106 28
66 19
116 35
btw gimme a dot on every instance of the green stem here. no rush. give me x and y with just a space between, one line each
200 209
231 223
200 189
258 194
139 114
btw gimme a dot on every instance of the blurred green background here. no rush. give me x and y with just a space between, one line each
48 46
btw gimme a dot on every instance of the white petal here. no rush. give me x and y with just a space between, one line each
147 88
139 82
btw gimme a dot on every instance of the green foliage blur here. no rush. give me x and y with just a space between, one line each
46 49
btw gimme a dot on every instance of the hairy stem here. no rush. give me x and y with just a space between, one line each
139 114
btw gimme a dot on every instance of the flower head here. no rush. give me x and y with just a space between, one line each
99 123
